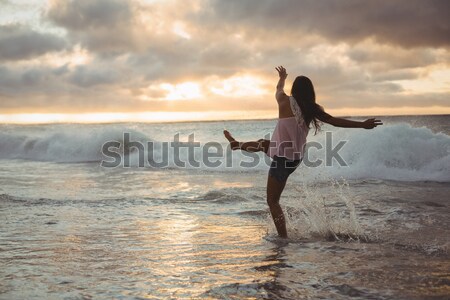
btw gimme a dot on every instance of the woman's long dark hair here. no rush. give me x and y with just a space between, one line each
303 92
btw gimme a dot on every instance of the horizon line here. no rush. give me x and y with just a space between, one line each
146 117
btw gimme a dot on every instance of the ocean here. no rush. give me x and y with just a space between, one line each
167 211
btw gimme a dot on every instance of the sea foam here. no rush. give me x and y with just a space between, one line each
393 152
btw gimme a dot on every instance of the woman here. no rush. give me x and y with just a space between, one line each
296 113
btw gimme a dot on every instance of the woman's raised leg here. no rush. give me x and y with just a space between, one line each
252 146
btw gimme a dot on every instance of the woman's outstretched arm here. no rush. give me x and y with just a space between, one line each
340 122
282 73
280 95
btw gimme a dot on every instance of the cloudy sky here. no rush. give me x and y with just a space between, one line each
103 60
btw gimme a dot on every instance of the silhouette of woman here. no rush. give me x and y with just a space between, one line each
286 147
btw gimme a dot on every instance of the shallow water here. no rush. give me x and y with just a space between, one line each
79 231
222 245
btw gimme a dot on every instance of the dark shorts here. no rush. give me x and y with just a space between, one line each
282 167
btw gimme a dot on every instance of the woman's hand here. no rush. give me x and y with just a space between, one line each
371 123
281 72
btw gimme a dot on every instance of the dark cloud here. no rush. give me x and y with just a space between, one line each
29 82
173 59
408 23
82 15
225 53
87 77
396 75
19 42
388 58
101 25
45 89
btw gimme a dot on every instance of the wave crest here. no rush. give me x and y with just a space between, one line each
392 152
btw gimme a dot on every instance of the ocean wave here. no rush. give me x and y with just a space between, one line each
71 145
392 152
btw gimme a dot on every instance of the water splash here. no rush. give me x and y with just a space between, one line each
324 212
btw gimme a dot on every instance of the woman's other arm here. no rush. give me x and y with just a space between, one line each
341 122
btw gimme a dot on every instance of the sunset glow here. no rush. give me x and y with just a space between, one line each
131 117
160 117
101 61
239 86
182 91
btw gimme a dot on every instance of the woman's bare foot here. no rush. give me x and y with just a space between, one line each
233 143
